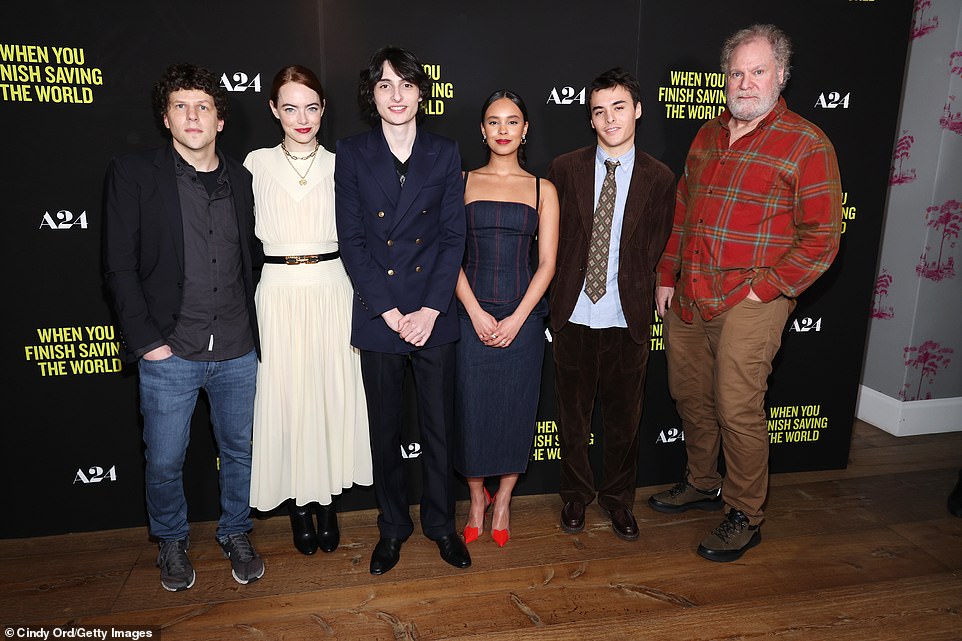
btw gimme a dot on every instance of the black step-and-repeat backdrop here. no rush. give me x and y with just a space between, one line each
75 90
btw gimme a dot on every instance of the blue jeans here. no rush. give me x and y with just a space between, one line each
168 394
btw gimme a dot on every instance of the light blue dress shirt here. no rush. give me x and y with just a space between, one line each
607 311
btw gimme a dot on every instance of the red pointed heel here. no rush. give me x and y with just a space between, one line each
500 536
472 533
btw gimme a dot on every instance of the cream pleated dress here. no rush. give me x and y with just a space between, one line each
310 415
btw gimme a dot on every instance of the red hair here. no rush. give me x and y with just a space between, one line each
300 75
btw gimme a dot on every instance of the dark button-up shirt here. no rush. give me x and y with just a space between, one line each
212 324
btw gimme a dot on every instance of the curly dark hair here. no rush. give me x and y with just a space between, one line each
188 76
407 66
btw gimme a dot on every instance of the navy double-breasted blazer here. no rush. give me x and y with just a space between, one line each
143 247
401 246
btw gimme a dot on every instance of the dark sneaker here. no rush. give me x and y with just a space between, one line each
686 496
731 539
176 572
245 563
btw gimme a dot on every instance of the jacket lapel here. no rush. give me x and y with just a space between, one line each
378 157
242 207
167 186
420 166
638 192
584 177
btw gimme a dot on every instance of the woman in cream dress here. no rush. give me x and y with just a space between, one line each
310 417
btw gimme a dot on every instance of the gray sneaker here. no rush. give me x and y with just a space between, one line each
245 563
176 572
730 540
685 496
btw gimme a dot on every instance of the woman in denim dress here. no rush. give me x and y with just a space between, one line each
502 312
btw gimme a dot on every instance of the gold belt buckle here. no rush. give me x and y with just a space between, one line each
309 259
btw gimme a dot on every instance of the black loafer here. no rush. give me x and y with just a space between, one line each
328 534
386 554
573 517
453 551
302 527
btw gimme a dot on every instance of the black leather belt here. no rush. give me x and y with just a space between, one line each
307 259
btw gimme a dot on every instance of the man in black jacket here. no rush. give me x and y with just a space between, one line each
179 256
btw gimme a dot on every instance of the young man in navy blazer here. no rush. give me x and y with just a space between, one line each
400 226
179 257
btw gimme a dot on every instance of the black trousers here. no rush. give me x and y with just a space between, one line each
602 364
383 375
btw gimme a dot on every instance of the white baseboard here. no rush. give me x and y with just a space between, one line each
909 418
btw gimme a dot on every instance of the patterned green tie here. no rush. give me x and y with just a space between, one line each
596 278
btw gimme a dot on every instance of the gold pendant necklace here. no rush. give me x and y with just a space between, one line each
291 157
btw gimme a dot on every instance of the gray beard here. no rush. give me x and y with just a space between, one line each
748 113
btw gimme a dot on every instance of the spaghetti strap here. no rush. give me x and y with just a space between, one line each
537 194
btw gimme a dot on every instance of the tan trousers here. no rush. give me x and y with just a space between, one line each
718 375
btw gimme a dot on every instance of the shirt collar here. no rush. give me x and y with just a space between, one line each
625 159
182 166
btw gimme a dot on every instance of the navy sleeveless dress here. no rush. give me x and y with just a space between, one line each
497 389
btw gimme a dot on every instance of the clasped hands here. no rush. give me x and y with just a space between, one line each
414 328
495 333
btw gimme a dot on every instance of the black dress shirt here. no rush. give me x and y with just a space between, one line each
213 323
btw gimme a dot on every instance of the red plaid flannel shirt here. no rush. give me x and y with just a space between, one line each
765 214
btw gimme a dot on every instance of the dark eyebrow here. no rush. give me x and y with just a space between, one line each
614 104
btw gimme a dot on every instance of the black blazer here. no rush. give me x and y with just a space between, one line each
143 249
401 247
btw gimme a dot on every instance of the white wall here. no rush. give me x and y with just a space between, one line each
912 378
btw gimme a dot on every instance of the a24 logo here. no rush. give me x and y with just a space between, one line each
806 324
670 435
566 96
413 450
63 219
95 474
241 82
832 100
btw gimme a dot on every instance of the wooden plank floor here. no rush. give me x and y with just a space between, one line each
864 553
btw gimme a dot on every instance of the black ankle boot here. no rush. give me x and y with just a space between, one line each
302 525
328 535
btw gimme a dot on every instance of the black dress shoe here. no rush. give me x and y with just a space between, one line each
302 526
328 535
454 551
623 524
573 517
386 554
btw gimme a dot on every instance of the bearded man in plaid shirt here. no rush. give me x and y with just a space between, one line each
758 216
